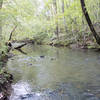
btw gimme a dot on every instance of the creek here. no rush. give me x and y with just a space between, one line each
52 73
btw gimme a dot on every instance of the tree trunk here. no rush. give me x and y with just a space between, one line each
57 28
63 10
0 29
1 2
85 12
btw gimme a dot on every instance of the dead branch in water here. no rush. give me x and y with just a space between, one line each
12 32
20 50
20 46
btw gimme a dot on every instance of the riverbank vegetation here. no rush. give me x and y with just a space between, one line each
56 22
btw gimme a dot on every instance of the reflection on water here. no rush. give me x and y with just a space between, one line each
50 73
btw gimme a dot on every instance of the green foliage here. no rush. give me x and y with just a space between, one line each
37 19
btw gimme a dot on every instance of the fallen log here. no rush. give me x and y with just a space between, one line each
10 44
20 46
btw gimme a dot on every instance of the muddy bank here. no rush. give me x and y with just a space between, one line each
5 79
62 43
5 85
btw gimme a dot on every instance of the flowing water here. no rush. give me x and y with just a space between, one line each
50 73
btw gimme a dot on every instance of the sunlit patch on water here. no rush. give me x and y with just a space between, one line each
22 91
20 88
62 91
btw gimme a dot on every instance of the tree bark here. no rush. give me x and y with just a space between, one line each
85 12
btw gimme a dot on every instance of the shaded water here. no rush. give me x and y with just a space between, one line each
50 73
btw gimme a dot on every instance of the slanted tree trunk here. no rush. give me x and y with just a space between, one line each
12 33
1 2
85 12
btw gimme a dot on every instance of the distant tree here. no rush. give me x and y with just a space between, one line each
57 28
85 12
1 2
63 11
